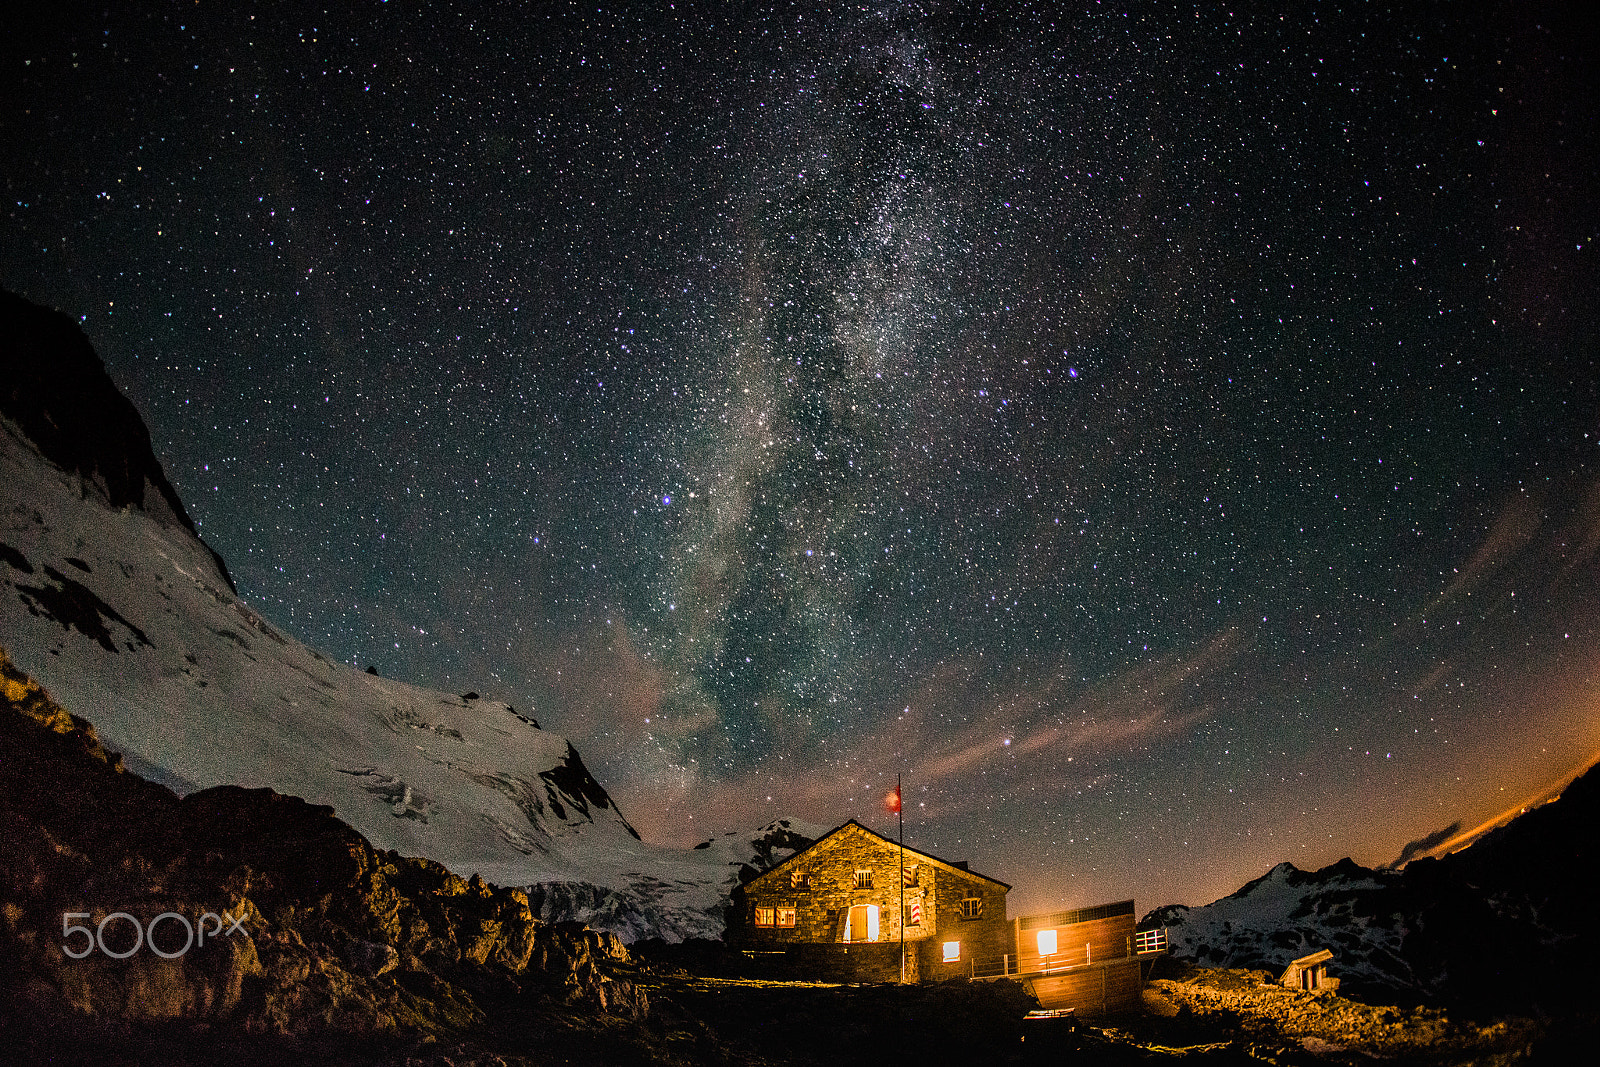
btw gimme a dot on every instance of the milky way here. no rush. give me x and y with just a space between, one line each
1168 439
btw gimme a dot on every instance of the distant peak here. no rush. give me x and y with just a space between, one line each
1283 872
55 389
1347 868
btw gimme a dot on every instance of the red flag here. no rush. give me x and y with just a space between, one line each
892 801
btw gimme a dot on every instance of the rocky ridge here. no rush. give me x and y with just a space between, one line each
56 390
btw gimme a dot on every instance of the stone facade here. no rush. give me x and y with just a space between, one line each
834 910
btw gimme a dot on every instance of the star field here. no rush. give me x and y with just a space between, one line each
1166 436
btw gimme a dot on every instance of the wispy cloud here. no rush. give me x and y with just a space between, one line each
1519 520
1434 677
1581 535
1425 844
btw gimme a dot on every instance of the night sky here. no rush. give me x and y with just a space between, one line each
1168 436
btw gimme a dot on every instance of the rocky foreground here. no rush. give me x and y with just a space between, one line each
1232 1014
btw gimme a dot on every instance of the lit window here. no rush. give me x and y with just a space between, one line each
861 923
764 916
863 879
1047 942
952 951
799 879
972 908
785 916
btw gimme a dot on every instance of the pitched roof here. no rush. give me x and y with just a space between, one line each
886 840
1321 956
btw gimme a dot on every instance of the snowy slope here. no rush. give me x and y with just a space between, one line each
109 599
129 622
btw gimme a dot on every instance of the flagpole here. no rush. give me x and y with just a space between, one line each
900 813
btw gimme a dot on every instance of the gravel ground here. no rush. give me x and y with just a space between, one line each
1247 1010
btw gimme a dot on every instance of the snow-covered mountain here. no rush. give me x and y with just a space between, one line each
1504 924
110 599
690 904
1288 913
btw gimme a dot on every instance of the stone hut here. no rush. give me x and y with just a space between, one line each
1309 973
832 911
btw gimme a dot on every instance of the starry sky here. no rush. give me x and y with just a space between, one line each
1167 435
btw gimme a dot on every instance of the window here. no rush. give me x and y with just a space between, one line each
1047 942
799 879
861 923
911 876
764 916
785 916
952 951
863 879
972 908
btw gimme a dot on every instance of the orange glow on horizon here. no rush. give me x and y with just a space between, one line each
1551 792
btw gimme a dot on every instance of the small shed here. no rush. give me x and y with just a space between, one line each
1309 973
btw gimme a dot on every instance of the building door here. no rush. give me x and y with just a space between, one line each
861 923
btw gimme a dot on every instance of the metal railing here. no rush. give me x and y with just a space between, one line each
1010 964
1148 941
1144 943
1000 968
